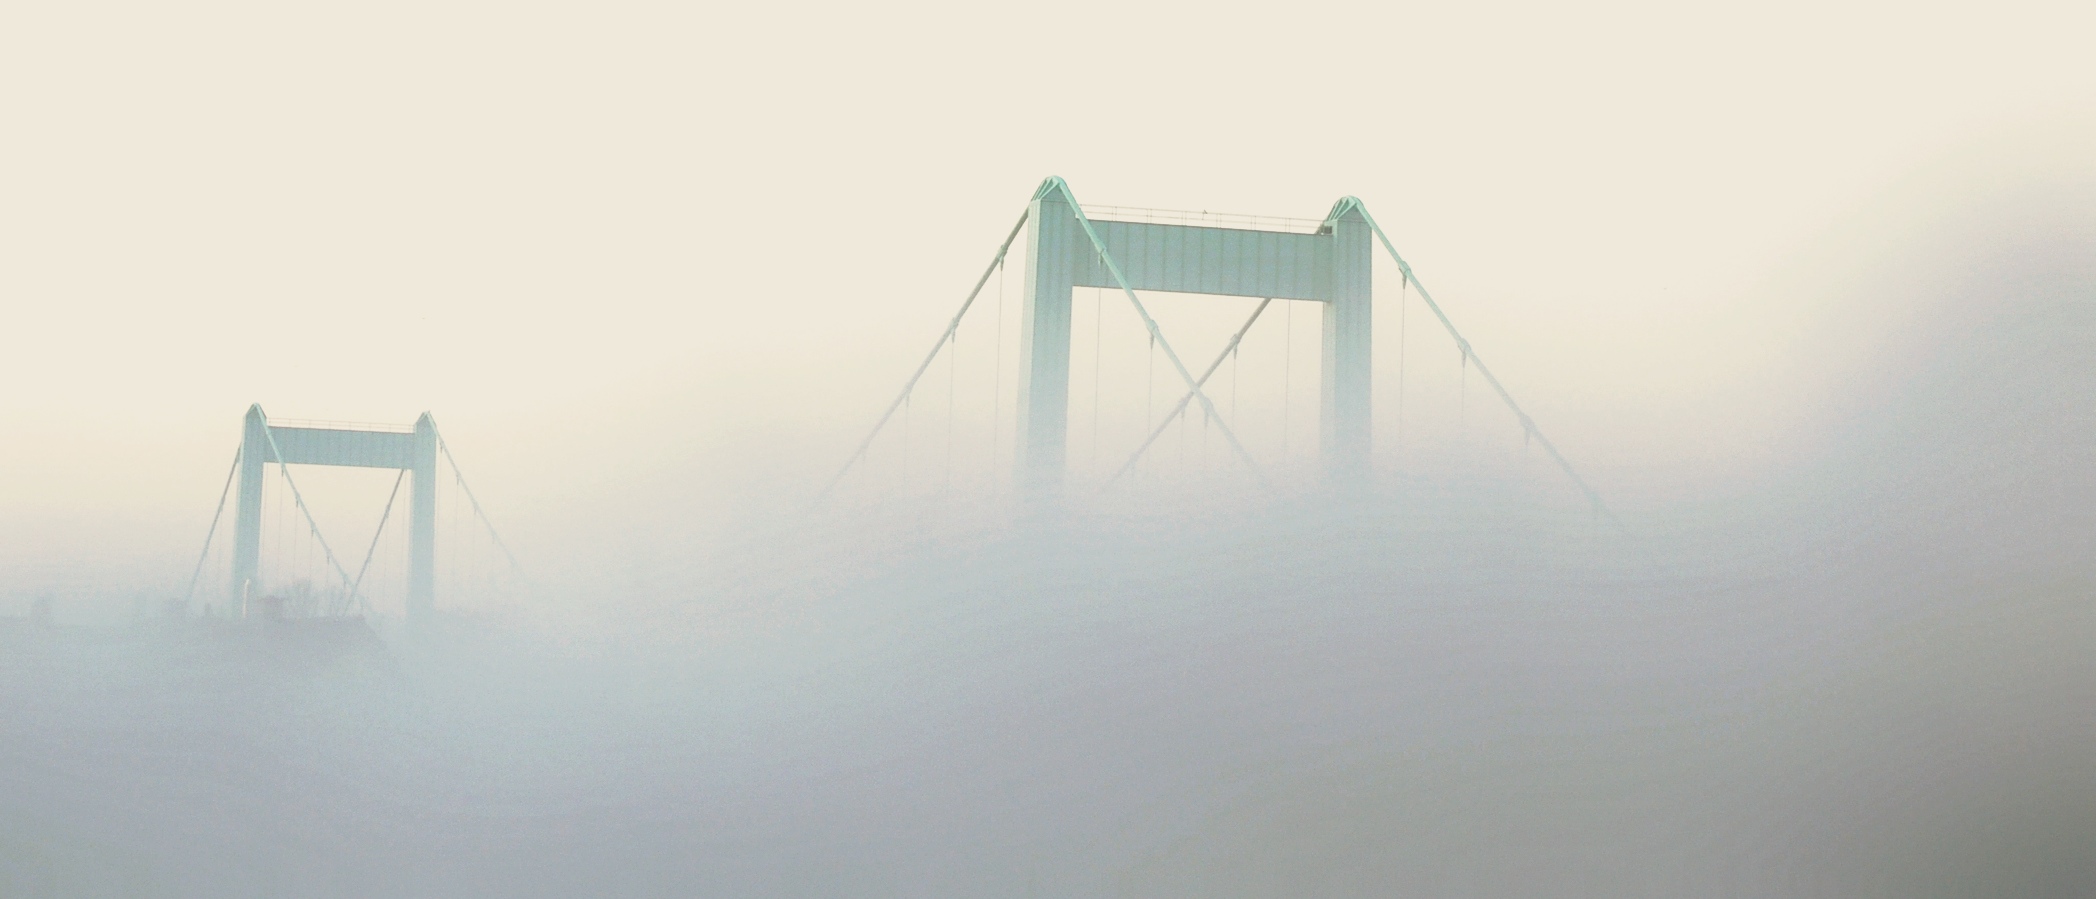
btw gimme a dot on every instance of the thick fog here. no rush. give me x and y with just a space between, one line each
1833 633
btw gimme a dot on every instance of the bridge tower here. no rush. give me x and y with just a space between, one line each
1330 267
1331 264
414 450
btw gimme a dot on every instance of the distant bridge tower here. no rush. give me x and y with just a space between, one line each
1331 267
414 450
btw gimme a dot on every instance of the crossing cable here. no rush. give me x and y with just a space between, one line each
1150 386
223 492
995 266
1287 374
1229 352
953 357
1098 331
383 517
1114 268
300 499
460 477
1403 301
997 372
1528 425
284 544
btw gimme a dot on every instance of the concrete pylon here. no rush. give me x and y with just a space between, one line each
1332 266
247 516
422 521
415 450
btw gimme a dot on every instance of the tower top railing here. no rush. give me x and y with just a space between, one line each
326 425
1237 221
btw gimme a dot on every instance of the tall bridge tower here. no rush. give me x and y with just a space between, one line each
1331 267
413 450
1330 264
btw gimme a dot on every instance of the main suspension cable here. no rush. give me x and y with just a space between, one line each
474 501
215 516
995 264
1470 356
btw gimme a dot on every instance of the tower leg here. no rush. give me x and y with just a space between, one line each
422 523
247 516
1347 357
1044 344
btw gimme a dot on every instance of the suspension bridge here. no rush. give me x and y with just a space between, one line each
1147 259
1154 264
280 562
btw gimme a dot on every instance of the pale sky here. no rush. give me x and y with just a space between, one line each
616 245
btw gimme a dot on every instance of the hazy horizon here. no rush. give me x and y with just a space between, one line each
1806 293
